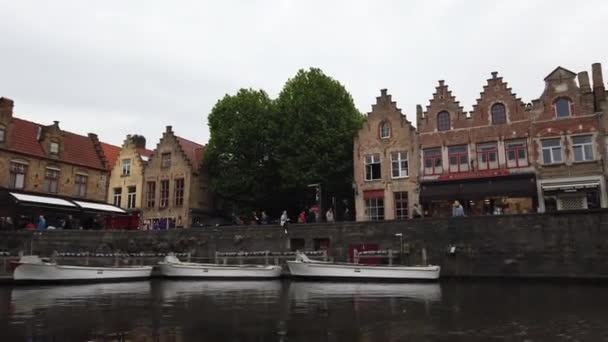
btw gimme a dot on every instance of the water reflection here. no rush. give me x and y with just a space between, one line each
303 311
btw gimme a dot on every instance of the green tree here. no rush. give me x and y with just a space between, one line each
239 155
318 121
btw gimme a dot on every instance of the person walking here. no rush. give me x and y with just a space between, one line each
284 220
329 215
264 218
457 210
41 223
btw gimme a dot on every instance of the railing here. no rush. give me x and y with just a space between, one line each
240 257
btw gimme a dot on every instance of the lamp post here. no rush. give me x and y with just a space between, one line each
400 236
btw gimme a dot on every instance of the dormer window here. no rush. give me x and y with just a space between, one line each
443 121
562 107
2 134
385 130
499 115
54 148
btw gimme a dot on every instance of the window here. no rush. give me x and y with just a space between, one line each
459 158
374 207
432 161
372 167
17 177
179 191
80 185
117 196
51 180
54 148
517 153
562 107
499 115
2 134
126 167
164 193
150 194
399 164
582 146
131 197
443 121
552 151
401 209
487 156
165 160
385 130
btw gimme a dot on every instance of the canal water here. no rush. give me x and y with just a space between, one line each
161 310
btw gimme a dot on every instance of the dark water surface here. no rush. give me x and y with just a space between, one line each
305 311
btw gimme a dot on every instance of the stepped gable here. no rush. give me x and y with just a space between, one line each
192 151
497 91
76 149
442 100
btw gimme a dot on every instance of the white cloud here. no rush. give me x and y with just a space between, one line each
118 67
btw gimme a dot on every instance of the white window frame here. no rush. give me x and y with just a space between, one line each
374 209
569 107
51 184
126 167
117 197
370 160
385 130
554 150
515 146
583 146
80 188
401 205
400 164
18 172
131 197
54 147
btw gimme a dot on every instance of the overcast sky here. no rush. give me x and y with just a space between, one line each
120 67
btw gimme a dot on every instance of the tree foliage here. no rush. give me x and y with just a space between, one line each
265 153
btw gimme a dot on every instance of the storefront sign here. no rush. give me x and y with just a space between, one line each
474 174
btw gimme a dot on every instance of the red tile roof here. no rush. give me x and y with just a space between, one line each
193 151
111 153
76 149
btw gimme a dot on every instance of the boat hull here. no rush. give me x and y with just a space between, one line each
354 271
218 271
57 273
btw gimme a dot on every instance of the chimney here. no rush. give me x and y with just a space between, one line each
56 124
6 109
169 129
599 92
383 92
583 82
494 74
418 115
139 141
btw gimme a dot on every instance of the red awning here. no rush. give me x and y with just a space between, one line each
379 193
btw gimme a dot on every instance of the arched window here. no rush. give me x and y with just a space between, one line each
499 115
443 121
385 130
563 107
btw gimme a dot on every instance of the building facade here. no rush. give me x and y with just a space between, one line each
127 176
46 159
480 159
385 164
569 146
176 192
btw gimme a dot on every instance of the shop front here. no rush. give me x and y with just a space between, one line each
573 193
514 194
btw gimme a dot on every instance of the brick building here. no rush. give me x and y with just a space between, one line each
46 159
569 146
176 192
127 176
480 158
385 164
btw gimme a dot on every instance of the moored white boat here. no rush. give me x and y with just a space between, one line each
173 267
32 268
307 268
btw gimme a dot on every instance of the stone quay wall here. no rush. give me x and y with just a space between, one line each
561 245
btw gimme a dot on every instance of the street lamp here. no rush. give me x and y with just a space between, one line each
400 236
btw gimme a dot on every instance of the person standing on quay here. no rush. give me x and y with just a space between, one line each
284 220
329 215
417 211
457 210
41 223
